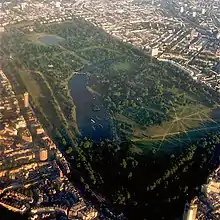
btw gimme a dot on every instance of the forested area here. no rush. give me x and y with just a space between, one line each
145 186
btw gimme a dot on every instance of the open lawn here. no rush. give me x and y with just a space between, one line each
120 66
187 125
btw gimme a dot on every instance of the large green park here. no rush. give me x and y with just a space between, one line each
166 125
153 104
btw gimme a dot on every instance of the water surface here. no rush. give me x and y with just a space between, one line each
95 124
50 39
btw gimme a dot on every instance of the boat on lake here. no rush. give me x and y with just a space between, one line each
93 127
98 118
100 125
95 108
93 121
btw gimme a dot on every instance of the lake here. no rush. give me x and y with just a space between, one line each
92 117
50 39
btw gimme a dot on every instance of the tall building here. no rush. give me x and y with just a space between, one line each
58 4
218 35
190 210
43 155
23 6
194 34
154 52
26 101
182 9
194 14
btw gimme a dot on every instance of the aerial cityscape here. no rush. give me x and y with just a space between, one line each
110 109
32 168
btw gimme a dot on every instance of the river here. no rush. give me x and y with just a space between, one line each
94 124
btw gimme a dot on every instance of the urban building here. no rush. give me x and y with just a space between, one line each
26 100
154 52
190 210
43 154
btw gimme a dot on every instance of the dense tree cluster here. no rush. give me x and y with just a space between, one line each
155 187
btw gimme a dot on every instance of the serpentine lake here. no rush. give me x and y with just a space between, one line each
92 117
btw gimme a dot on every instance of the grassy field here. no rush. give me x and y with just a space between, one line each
187 125
120 66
